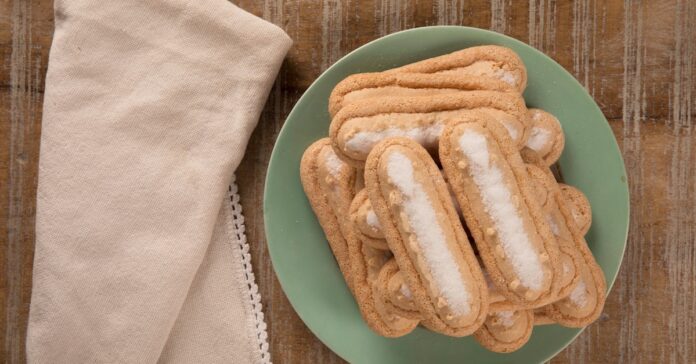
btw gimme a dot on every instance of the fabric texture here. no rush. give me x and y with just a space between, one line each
147 111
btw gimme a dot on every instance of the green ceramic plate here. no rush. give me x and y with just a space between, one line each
302 258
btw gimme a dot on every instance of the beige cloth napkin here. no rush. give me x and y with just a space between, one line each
140 249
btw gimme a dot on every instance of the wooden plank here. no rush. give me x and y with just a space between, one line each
26 34
636 58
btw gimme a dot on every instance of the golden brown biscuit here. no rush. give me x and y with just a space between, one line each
506 331
571 260
501 210
358 127
328 184
546 138
582 303
585 302
579 207
421 226
363 86
489 60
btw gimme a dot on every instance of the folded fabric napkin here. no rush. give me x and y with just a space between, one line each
140 248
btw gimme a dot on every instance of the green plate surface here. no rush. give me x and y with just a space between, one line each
302 258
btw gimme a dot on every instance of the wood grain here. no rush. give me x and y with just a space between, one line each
636 58
25 35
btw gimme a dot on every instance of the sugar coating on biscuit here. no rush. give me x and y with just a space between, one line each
579 294
512 130
499 205
372 220
485 68
508 77
577 215
554 227
422 218
333 163
536 114
505 119
427 136
405 291
506 318
538 138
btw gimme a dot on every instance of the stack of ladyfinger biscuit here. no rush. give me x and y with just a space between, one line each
435 193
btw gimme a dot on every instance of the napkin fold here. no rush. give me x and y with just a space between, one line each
140 252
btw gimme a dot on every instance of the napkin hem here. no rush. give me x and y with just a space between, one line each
235 223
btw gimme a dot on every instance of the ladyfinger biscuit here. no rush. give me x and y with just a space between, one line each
585 302
500 208
366 223
392 289
358 127
421 226
492 61
547 191
546 138
579 207
328 184
367 263
363 86
506 331
582 303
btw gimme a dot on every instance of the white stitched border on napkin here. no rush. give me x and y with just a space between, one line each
235 223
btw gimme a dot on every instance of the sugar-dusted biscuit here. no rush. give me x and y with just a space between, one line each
366 223
358 127
422 228
392 289
506 331
328 184
585 302
579 207
546 138
547 192
501 210
363 86
489 60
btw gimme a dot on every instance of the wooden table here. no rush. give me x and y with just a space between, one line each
636 58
